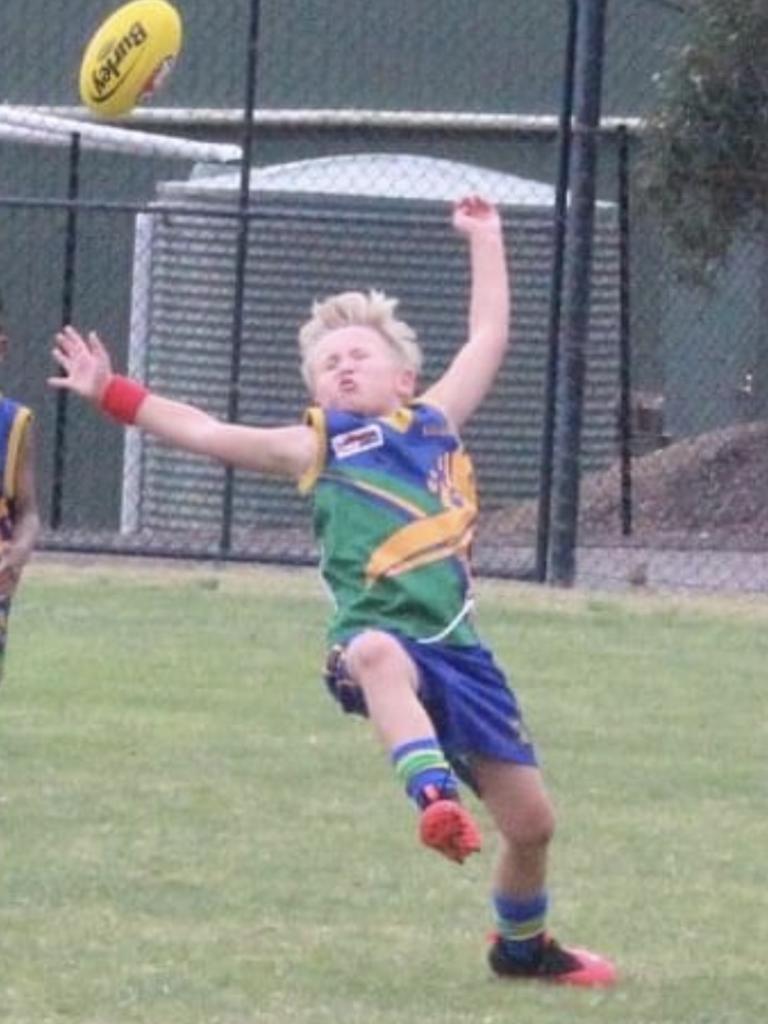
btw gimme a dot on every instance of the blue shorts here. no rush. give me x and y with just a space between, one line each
466 696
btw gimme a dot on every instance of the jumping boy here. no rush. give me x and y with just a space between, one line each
19 520
394 508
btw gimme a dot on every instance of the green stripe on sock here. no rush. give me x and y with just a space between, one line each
418 761
522 930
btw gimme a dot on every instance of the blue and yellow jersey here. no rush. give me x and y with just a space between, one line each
394 510
14 423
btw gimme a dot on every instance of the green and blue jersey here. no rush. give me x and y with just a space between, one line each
394 510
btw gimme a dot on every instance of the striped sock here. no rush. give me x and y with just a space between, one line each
422 768
520 924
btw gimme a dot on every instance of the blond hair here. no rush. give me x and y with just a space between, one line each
359 309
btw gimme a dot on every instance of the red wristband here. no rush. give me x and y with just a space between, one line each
122 398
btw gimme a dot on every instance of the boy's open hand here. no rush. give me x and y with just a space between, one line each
85 362
474 214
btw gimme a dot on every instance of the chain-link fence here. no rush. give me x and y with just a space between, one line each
684 507
369 121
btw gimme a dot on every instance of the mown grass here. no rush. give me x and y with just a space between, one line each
191 832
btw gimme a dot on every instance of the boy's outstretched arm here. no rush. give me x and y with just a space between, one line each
286 451
467 380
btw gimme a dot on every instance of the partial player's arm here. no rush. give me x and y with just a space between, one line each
286 451
469 377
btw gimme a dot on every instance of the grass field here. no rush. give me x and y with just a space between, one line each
191 832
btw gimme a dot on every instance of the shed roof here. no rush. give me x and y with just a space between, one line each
389 175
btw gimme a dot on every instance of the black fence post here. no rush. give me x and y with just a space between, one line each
241 263
555 301
67 306
625 332
567 470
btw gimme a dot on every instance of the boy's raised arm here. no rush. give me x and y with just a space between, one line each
285 451
469 377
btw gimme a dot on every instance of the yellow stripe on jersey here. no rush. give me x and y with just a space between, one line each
422 542
401 419
315 418
15 439
459 548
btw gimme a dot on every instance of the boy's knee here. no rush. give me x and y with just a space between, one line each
528 824
534 829
369 651
541 829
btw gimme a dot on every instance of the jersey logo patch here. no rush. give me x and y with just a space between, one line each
356 441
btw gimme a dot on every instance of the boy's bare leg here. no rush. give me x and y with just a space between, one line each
522 812
377 663
518 802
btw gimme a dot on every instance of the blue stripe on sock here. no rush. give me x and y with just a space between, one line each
441 778
514 916
438 775
517 911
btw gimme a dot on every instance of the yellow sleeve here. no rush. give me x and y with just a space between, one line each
315 418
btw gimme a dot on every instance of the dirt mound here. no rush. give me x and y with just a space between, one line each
710 490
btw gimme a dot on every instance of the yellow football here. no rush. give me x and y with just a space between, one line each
130 56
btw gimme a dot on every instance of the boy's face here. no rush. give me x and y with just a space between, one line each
354 369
